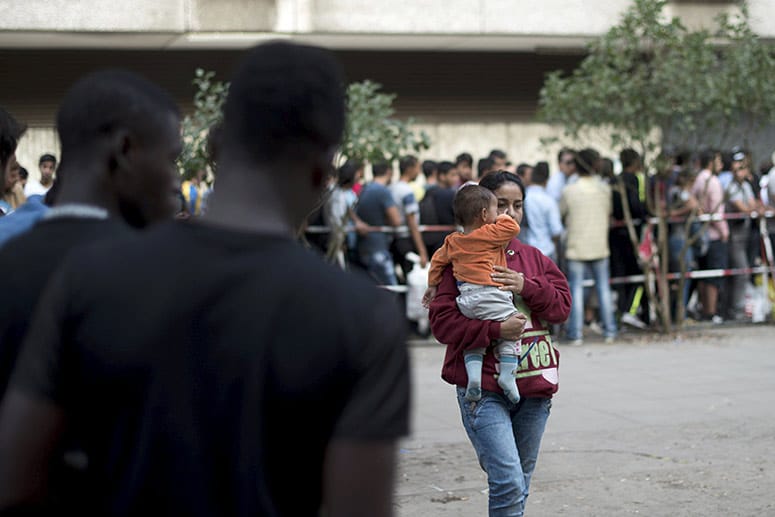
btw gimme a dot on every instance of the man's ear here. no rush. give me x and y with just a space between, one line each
120 145
321 170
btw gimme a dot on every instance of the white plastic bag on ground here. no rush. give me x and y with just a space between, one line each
417 283
757 301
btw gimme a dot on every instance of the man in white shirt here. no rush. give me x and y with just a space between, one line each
567 169
47 166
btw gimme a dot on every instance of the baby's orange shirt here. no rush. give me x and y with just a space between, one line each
474 254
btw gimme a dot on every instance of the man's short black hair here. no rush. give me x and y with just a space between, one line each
521 168
445 167
706 158
726 158
563 152
540 173
285 100
380 169
629 157
606 169
464 158
48 157
429 167
102 102
586 161
497 153
407 162
10 133
484 165
469 203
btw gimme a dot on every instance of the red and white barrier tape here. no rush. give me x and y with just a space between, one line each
769 214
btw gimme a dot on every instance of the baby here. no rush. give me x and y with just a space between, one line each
473 253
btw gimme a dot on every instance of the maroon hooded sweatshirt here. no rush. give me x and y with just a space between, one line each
545 300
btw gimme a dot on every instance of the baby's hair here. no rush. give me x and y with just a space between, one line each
469 203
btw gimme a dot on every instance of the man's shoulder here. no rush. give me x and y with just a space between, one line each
539 192
374 190
50 237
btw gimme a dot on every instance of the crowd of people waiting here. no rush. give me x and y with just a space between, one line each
575 216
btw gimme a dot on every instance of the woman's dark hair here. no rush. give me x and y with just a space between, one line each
347 171
494 180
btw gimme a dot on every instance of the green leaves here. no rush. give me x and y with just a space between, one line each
651 73
371 132
208 102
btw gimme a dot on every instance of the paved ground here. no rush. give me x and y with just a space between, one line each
670 427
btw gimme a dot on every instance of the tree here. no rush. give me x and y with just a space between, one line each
208 102
372 133
648 79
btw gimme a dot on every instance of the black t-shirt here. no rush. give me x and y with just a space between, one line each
26 264
206 370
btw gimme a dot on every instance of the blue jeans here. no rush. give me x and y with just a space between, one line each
379 264
506 438
601 275
675 244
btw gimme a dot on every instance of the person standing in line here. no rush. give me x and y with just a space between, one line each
631 300
485 166
464 163
195 191
339 215
409 240
198 399
740 199
436 206
499 159
586 207
567 169
543 214
47 166
13 193
506 436
710 194
10 133
525 173
376 207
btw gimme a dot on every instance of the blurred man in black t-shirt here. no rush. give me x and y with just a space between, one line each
218 368
120 136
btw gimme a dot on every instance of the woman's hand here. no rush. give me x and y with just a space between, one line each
512 328
512 280
430 294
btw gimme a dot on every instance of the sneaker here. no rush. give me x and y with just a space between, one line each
632 320
714 319
595 327
609 340
575 342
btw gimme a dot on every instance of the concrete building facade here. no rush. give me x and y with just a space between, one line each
468 70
